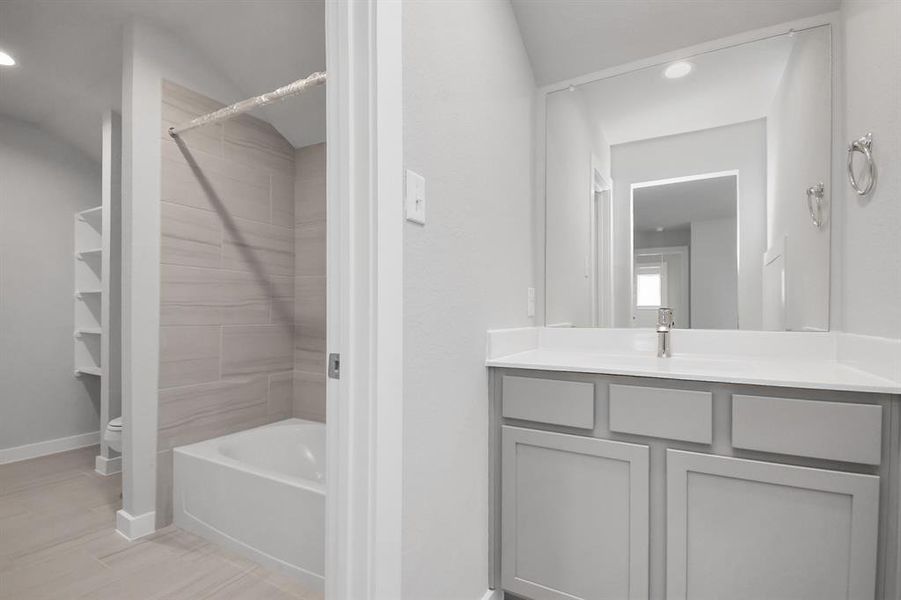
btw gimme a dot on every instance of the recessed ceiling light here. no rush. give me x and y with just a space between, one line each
6 60
678 69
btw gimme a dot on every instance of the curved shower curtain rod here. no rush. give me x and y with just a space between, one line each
292 89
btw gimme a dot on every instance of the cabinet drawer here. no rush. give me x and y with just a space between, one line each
551 401
813 428
655 412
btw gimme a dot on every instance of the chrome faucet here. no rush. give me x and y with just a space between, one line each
664 324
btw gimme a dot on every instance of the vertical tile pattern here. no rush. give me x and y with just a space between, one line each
309 283
227 293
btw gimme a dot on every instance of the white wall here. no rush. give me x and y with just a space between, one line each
43 183
714 277
872 250
661 239
798 142
468 95
150 55
572 138
742 147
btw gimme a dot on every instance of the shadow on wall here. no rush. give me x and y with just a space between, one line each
91 386
258 269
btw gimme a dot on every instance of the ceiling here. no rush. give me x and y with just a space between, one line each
568 38
728 86
676 205
69 58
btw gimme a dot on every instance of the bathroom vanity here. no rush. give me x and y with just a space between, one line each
760 461
621 475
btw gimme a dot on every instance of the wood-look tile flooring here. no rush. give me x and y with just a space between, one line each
58 541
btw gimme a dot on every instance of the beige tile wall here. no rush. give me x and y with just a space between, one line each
309 283
227 297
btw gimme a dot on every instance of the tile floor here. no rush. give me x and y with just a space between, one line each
57 541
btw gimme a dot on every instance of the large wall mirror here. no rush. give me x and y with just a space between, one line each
700 184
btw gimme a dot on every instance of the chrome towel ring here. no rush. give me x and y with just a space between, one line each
863 145
815 195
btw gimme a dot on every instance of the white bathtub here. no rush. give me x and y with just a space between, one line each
260 492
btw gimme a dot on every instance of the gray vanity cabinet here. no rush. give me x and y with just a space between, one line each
746 530
610 487
575 516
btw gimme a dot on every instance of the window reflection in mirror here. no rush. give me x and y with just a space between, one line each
687 227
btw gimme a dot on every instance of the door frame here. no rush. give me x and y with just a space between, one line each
364 416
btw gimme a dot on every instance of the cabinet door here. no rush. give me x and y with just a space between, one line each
746 530
574 517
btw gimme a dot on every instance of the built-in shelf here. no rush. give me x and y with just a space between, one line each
90 287
90 214
88 331
88 371
93 252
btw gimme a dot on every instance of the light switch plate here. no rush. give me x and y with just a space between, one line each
414 198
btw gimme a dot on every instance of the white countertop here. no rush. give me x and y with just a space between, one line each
790 361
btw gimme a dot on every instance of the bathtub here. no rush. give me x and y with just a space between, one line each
260 492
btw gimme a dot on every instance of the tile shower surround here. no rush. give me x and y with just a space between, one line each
242 290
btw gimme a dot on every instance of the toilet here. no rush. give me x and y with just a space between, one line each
113 434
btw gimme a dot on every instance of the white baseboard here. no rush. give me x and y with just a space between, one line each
10 455
108 466
132 528
497 594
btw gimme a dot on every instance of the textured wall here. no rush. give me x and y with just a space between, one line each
468 94
573 140
798 138
714 276
43 183
309 283
227 280
872 250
